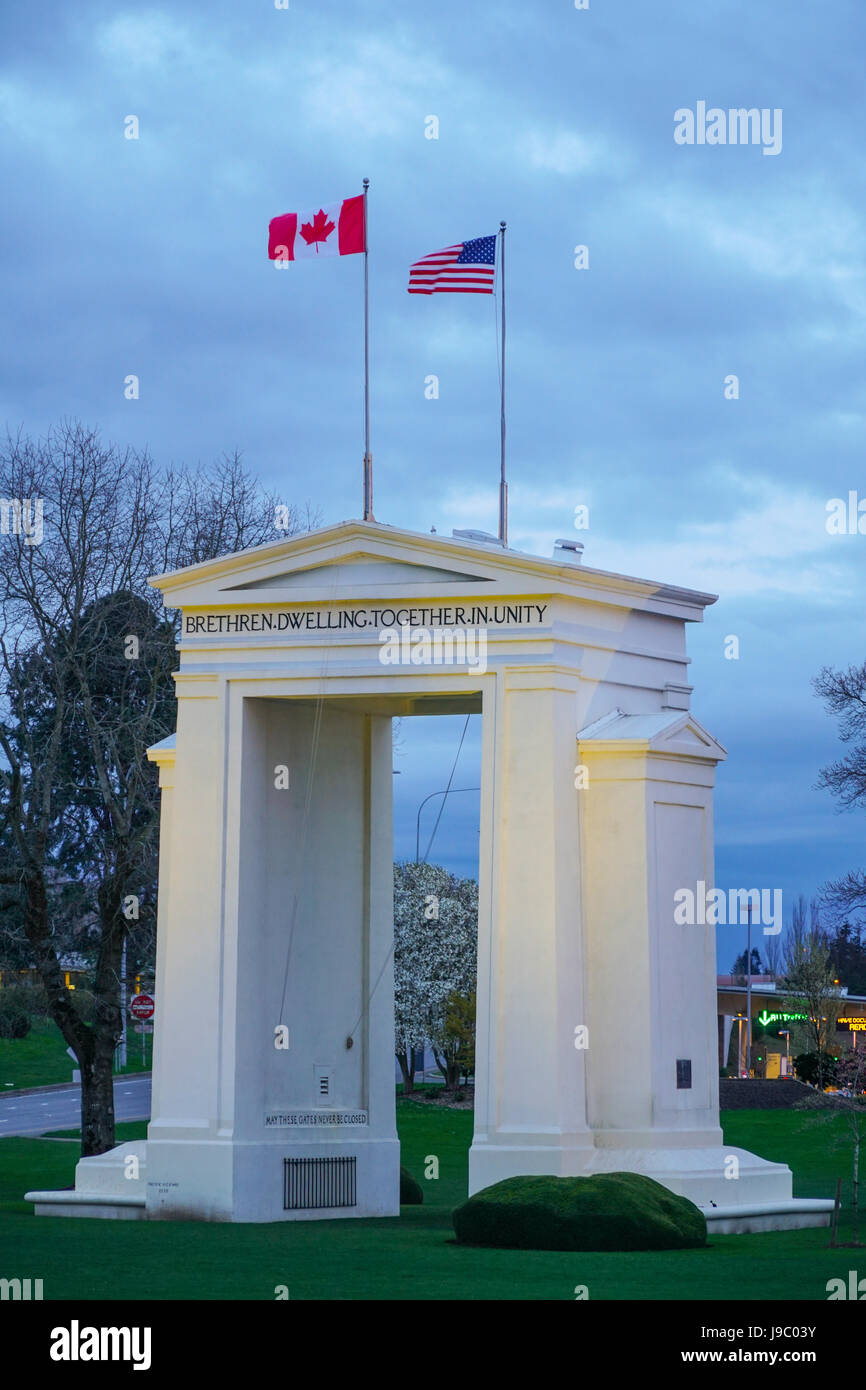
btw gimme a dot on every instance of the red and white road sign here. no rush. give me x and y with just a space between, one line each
142 1006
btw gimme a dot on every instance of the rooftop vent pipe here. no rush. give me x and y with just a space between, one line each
567 551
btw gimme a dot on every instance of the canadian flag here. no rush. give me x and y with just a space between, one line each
335 229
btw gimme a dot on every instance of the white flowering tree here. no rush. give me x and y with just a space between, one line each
435 945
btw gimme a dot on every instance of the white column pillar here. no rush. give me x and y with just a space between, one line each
185 1112
530 1112
647 832
379 932
164 757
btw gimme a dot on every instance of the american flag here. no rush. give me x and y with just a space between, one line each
467 268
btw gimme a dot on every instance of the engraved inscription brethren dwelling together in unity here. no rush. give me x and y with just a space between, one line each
273 1085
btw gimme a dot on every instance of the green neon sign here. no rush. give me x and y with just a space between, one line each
764 1018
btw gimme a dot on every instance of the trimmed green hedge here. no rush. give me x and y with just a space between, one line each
411 1194
612 1211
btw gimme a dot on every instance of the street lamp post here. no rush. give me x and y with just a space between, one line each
749 993
121 1047
786 1034
739 1018
446 791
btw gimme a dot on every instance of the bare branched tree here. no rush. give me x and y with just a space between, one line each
86 656
844 695
849 1102
774 949
808 981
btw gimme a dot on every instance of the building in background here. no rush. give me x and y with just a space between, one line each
770 1052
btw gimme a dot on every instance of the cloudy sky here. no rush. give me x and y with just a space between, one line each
148 256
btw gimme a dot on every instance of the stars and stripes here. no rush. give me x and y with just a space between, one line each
467 268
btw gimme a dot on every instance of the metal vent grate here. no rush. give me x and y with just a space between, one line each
310 1183
324 1082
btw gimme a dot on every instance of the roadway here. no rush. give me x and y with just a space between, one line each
46 1109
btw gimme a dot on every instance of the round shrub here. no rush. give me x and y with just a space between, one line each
410 1191
14 1018
611 1211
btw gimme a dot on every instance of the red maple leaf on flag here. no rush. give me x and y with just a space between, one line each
319 230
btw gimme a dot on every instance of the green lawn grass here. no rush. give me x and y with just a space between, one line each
818 1150
126 1129
41 1058
413 1256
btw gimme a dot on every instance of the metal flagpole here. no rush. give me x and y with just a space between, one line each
503 486
749 994
368 457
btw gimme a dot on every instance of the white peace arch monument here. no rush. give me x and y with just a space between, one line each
596 1043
